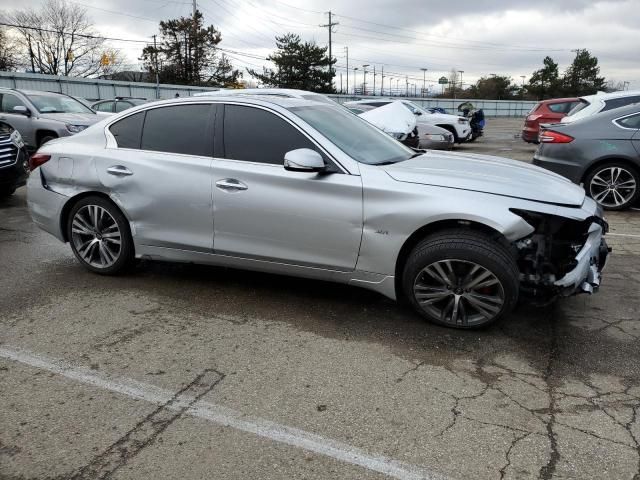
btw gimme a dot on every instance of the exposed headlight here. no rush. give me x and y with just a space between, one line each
16 138
435 137
398 136
462 120
75 128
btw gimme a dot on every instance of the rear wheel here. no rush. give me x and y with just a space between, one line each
614 185
461 279
99 236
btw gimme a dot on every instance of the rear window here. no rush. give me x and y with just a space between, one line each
561 107
582 104
128 131
630 122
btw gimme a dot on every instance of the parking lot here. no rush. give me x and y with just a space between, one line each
184 371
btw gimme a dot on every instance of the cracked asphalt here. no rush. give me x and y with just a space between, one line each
194 372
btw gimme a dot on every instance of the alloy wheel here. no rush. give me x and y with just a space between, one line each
459 292
96 236
613 187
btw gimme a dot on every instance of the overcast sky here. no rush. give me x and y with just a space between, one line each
505 37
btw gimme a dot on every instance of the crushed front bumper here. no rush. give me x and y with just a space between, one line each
591 260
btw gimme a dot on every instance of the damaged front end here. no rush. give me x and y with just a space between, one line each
562 257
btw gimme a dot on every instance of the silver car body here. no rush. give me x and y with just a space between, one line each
38 123
349 226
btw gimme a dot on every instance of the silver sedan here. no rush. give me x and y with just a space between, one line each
302 188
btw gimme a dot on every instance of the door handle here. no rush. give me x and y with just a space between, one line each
119 171
230 185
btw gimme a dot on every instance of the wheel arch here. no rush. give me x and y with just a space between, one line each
431 228
66 209
609 159
43 132
451 129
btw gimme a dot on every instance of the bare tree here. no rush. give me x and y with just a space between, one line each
58 38
8 52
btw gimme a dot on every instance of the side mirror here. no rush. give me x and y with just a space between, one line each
22 110
418 113
304 160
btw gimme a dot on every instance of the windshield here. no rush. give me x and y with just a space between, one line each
580 106
58 104
354 136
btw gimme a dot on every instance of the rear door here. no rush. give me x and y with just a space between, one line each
160 173
299 218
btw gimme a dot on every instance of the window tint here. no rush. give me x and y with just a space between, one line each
9 101
256 135
104 107
128 131
581 105
185 129
562 107
619 102
122 106
630 122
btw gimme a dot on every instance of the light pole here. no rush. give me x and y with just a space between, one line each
424 80
364 83
461 84
522 77
355 79
390 87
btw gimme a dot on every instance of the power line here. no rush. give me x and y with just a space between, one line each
40 29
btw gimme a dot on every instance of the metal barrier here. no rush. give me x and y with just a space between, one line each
97 89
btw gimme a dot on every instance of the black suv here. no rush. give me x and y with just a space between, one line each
14 160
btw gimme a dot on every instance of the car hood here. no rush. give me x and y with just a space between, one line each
391 118
73 118
487 174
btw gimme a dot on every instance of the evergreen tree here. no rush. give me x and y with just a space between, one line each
582 76
545 83
301 65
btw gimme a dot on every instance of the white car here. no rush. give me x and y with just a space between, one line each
277 92
458 126
601 102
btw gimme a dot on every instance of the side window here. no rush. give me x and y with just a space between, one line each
122 106
128 131
619 102
9 101
104 107
255 135
630 122
185 129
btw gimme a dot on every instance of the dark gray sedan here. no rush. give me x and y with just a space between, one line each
602 152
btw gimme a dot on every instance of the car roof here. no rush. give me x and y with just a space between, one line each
606 96
290 92
285 102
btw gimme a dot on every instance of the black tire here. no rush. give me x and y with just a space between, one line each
105 235
46 139
601 172
7 192
461 250
451 130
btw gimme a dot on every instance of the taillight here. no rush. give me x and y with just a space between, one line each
549 136
38 159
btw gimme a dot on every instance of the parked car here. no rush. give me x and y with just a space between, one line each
277 92
396 120
601 151
14 166
546 111
601 102
118 104
43 116
295 187
457 125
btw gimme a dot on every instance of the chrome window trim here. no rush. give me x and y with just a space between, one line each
616 120
112 144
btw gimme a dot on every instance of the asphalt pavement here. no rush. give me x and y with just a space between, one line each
194 372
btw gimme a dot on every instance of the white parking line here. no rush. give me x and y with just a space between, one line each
225 416
623 235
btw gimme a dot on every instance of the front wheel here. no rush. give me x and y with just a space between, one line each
614 185
99 236
461 279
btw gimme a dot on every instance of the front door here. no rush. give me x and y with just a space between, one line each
160 173
265 212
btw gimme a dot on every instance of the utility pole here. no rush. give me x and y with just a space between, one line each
346 51
382 82
341 82
407 84
461 84
374 80
391 86
194 44
155 61
330 25
424 80
364 82
522 77
355 79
